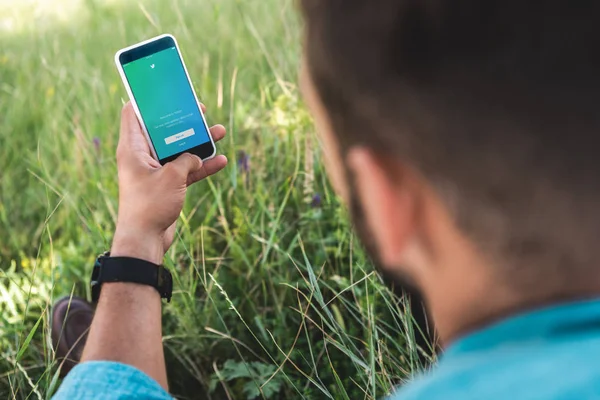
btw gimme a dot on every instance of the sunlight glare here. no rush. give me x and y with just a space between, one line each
21 15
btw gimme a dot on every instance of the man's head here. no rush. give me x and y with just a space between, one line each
463 132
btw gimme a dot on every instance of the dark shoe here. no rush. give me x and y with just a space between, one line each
71 320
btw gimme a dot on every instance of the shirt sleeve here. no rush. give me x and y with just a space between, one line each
107 380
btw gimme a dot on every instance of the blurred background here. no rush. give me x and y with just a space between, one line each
273 298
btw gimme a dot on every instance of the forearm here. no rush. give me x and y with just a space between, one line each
127 325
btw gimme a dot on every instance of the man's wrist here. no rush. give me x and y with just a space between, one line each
138 244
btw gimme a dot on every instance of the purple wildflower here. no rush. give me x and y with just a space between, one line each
316 201
243 161
97 144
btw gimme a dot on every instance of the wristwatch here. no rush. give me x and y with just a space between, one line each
133 270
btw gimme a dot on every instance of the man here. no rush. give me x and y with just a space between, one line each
462 136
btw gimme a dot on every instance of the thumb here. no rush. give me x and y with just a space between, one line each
186 164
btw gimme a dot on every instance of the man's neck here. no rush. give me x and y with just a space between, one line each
466 314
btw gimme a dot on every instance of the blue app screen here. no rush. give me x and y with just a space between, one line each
166 102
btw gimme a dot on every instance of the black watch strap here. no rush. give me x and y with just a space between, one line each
132 270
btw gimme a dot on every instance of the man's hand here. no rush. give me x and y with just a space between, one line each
151 196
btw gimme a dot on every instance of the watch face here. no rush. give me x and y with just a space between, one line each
134 270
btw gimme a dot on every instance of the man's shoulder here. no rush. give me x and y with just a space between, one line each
558 371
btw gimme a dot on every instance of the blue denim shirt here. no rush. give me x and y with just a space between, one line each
106 380
553 353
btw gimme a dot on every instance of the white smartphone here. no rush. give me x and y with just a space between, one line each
162 95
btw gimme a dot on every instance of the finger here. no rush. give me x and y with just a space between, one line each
217 132
185 164
203 108
210 167
131 138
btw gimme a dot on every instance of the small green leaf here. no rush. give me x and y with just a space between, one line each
25 344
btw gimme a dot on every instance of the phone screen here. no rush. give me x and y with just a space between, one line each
166 102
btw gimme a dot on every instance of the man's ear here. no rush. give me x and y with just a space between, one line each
388 202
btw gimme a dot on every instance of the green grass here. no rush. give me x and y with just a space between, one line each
273 296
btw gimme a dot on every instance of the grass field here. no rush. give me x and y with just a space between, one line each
274 297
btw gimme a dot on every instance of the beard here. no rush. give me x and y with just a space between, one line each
400 283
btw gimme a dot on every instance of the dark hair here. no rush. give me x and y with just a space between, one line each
495 102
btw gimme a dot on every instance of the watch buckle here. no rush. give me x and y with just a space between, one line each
165 283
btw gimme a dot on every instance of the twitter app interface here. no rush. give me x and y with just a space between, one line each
166 102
